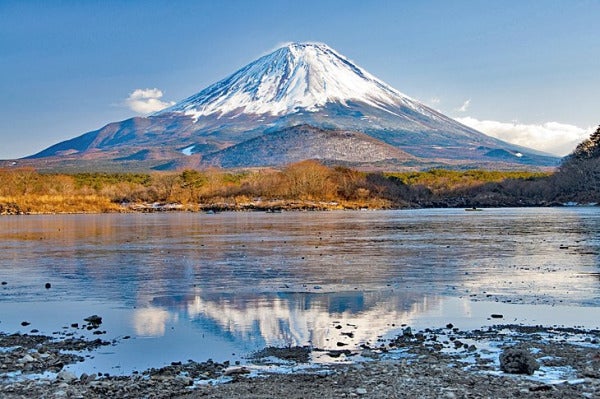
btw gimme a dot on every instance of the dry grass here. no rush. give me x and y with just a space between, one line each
304 185
45 204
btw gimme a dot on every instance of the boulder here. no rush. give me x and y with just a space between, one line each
518 361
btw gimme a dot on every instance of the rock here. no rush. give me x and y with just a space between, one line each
236 371
94 320
27 359
369 354
361 391
185 380
591 373
518 361
541 388
66 376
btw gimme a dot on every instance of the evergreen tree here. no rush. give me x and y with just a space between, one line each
578 178
589 148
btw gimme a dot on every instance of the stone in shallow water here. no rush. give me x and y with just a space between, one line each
518 361
94 320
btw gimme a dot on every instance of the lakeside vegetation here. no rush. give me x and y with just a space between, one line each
303 185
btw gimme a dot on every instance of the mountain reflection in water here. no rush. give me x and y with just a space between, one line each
298 319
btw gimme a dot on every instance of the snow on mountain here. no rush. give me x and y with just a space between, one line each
299 76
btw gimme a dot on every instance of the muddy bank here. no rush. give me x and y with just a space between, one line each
434 363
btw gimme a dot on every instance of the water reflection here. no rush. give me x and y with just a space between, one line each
134 258
245 280
323 320
152 321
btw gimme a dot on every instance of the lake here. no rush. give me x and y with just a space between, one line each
198 286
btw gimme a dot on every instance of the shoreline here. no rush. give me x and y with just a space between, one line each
275 207
444 362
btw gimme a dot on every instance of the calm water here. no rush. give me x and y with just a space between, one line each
198 286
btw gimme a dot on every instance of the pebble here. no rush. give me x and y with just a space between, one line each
27 359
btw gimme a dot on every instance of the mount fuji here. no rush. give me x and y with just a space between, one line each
302 101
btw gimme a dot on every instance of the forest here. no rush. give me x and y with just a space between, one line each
307 185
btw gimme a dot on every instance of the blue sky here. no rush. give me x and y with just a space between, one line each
525 71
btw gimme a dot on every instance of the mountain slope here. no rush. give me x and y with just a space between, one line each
296 85
299 143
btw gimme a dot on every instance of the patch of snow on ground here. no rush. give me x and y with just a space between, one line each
188 150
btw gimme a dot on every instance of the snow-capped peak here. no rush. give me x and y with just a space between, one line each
298 76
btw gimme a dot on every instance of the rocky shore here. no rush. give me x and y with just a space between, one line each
506 361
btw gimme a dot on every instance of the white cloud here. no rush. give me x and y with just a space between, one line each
465 106
146 101
552 137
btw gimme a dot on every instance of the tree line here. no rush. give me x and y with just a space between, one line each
303 185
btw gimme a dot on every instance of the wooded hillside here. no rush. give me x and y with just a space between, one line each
303 185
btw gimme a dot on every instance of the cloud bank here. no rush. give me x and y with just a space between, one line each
146 101
552 137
